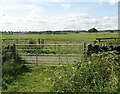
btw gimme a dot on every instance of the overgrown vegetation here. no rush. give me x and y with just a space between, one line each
99 74
10 70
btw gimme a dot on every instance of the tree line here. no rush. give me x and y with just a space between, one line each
91 30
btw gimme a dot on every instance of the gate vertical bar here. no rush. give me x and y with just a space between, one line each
16 41
59 53
38 41
37 56
14 53
84 49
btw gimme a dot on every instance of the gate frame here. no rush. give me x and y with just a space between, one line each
59 45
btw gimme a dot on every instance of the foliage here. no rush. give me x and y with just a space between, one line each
32 41
98 74
41 51
39 79
10 70
6 55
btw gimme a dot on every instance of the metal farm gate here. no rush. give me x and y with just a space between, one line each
40 54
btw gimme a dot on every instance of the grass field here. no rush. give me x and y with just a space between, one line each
57 38
38 79
44 78
80 36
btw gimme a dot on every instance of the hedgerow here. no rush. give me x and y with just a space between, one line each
10 69
100 73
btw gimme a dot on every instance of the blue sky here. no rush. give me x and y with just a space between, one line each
96 9
29 15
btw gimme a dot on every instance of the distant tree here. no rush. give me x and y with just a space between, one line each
77 31
111 31
92 30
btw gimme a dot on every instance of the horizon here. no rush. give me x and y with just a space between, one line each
105 30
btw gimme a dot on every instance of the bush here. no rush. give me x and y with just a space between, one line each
10 70
32 41
99 74
6 55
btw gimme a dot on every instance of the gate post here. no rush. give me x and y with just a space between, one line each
14 53
59 52
84 49
42 42
38 41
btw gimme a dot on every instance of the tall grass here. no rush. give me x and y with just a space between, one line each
10 70
101 73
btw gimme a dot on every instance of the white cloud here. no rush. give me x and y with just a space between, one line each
21 16
112 2
19 9
73 22
109 22
66 6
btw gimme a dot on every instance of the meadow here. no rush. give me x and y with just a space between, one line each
97 74
79 36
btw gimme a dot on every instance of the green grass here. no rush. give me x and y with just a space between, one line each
39 79
57 38
80 36
43 78
95 75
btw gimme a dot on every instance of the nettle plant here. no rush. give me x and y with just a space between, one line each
98 74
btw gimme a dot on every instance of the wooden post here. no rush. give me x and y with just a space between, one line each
99 40
16 41
38 41
59 53
42 42
14 53
84 49
8 41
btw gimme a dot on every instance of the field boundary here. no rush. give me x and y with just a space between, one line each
59 57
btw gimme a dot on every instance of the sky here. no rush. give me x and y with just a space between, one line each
36 15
